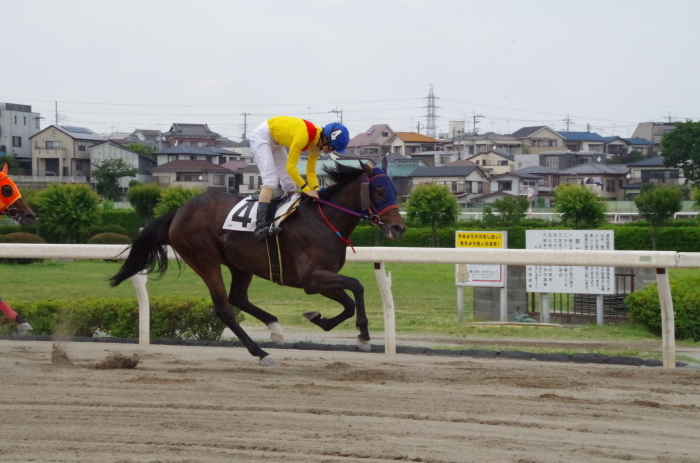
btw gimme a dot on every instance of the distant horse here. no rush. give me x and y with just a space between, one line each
13 206
313 243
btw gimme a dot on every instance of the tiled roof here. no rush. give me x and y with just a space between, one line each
191 166
491 195
633 186
367 138
527 131
581 136
190 130
187 149
516 173
415 137
234 165
77 133
637 141
537 170
596 169
656 161
443 171
461 162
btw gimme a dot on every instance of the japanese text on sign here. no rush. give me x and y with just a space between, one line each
479 240
570 279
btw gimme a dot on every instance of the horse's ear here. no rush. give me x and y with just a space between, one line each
385 164
4 169
366 168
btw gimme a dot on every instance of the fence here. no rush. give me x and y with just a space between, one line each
661 260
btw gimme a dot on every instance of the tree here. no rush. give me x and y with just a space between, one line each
624 157
511 211
69 210
144 199
681 148
172 198
657 204
11 160
432 206
108 173
579 207
146 150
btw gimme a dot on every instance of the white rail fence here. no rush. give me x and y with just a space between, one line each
661 260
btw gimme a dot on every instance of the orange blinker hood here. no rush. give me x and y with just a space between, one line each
7 201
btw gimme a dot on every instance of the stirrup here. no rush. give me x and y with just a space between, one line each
266 231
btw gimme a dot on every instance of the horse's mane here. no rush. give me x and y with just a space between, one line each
341 175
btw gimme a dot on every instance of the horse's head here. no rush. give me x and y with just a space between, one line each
11 202
378 196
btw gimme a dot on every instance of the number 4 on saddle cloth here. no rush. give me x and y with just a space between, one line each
242 216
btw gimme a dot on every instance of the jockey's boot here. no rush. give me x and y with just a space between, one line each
263 230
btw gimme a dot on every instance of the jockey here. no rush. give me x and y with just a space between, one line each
277 167
13 316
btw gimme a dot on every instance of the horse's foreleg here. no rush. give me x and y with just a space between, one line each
211 274
333 286
238 297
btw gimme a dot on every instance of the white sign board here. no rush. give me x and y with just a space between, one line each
480 274
570 279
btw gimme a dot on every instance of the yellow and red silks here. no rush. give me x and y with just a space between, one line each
12 192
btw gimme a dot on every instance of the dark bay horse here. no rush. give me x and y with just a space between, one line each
13 206
313 243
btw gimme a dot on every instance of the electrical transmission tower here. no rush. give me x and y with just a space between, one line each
430 129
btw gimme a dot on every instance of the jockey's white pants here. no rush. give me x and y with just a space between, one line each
271 159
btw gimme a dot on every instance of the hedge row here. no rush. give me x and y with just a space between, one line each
171 317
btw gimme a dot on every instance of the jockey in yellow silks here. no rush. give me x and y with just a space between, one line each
277 167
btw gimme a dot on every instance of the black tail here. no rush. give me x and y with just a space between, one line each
148 251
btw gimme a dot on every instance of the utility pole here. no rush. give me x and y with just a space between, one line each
475 117
568 121
337 112
56 112
668 117
418 126
245 125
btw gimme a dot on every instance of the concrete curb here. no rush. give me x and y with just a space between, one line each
378 348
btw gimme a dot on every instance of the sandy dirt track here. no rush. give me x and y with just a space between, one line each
206 404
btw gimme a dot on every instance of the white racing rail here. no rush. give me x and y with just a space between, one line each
661 260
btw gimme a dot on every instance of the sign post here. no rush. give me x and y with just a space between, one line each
481 274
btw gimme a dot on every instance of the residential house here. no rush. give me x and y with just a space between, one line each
408 143
583 141
548 179
192 153
498 163
111 150
561 160
63 151
488 198
605 180
638 144
615 145
651 170
538 139
522 161
515 183
474 143
399 169
653 132
436 158
190 174
464 181
375 142
235 179
251 179
17 125
190 135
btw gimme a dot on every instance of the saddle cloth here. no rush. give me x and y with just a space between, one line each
243 215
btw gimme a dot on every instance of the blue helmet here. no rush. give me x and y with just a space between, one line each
338 135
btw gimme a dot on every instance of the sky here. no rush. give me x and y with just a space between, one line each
117 66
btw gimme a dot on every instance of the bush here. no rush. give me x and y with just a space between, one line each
171 317
21 237
109 238
97 229
645 307
125 218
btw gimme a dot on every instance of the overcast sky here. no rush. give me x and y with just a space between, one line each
122 65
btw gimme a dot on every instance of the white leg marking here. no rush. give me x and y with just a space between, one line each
267 361
365 346
276 333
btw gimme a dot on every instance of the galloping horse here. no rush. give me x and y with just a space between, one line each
313 244
13 206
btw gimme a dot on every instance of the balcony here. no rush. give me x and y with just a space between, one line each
49 179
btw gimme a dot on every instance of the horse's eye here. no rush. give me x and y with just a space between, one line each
380 191
7 191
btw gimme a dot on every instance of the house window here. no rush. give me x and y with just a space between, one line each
397 149
552 162
17 141
15 120
25 120
219 179
480 187
78 166
81 146
209 159
385 134
37 123
193 157
259 182
505 186
610 185
502 163
53 145
251 182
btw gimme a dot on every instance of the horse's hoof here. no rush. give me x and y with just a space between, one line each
276 333
311 315
364 345
268 361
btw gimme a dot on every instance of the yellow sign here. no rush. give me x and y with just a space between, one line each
479 239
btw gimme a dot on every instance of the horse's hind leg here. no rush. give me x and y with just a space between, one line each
333 286
238 297
211 274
